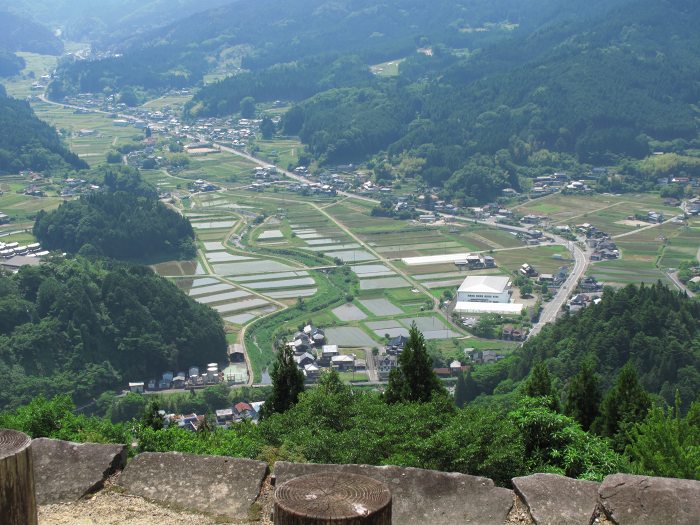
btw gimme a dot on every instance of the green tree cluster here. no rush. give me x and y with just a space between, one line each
126 222
81 328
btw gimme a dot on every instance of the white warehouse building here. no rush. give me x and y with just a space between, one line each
484 289
486 294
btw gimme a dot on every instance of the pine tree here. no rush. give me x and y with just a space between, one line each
414 380
583 397
625 403
151 416
287 383
460 391
539 384
471 389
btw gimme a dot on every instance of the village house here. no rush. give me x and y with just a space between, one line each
396 345
343 363
385 364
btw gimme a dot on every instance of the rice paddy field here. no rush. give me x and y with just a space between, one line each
91 147
606 212
220 168
648 254
282 152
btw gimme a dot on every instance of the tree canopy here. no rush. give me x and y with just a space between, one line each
125 221
81 328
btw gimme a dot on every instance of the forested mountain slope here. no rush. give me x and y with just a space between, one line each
654 328
270 32
80 328
29 143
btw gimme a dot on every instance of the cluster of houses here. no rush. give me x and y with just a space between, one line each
476 261
554 280
546 184
581 300
604 248
483 356
71 187
312 355
225 417
513 333
203 186
194 378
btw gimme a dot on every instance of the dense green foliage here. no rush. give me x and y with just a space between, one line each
126 221
81 328
666 443
652 327
29 143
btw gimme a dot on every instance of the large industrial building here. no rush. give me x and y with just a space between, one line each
486 294
485 289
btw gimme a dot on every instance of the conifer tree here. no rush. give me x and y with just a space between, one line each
539 384
471 389
287 383
414 379
461 391
583 397
625 403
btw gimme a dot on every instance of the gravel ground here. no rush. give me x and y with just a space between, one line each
112 507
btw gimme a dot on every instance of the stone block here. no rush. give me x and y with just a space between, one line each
423 496
66 471
217 485
558 500
644 500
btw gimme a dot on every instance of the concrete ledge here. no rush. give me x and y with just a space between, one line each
558 500
644 500
424 496
66 471
215 485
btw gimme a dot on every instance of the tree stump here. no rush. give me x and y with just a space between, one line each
332 498
17 496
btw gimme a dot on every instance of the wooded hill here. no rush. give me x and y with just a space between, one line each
29 143
125 221
80 328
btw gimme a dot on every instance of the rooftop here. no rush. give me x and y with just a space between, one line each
485 284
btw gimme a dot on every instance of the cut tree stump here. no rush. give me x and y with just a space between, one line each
17 497
332 498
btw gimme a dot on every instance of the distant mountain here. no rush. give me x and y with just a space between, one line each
269 32
19 33
104 22
29 143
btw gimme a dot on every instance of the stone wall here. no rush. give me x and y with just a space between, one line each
234 489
